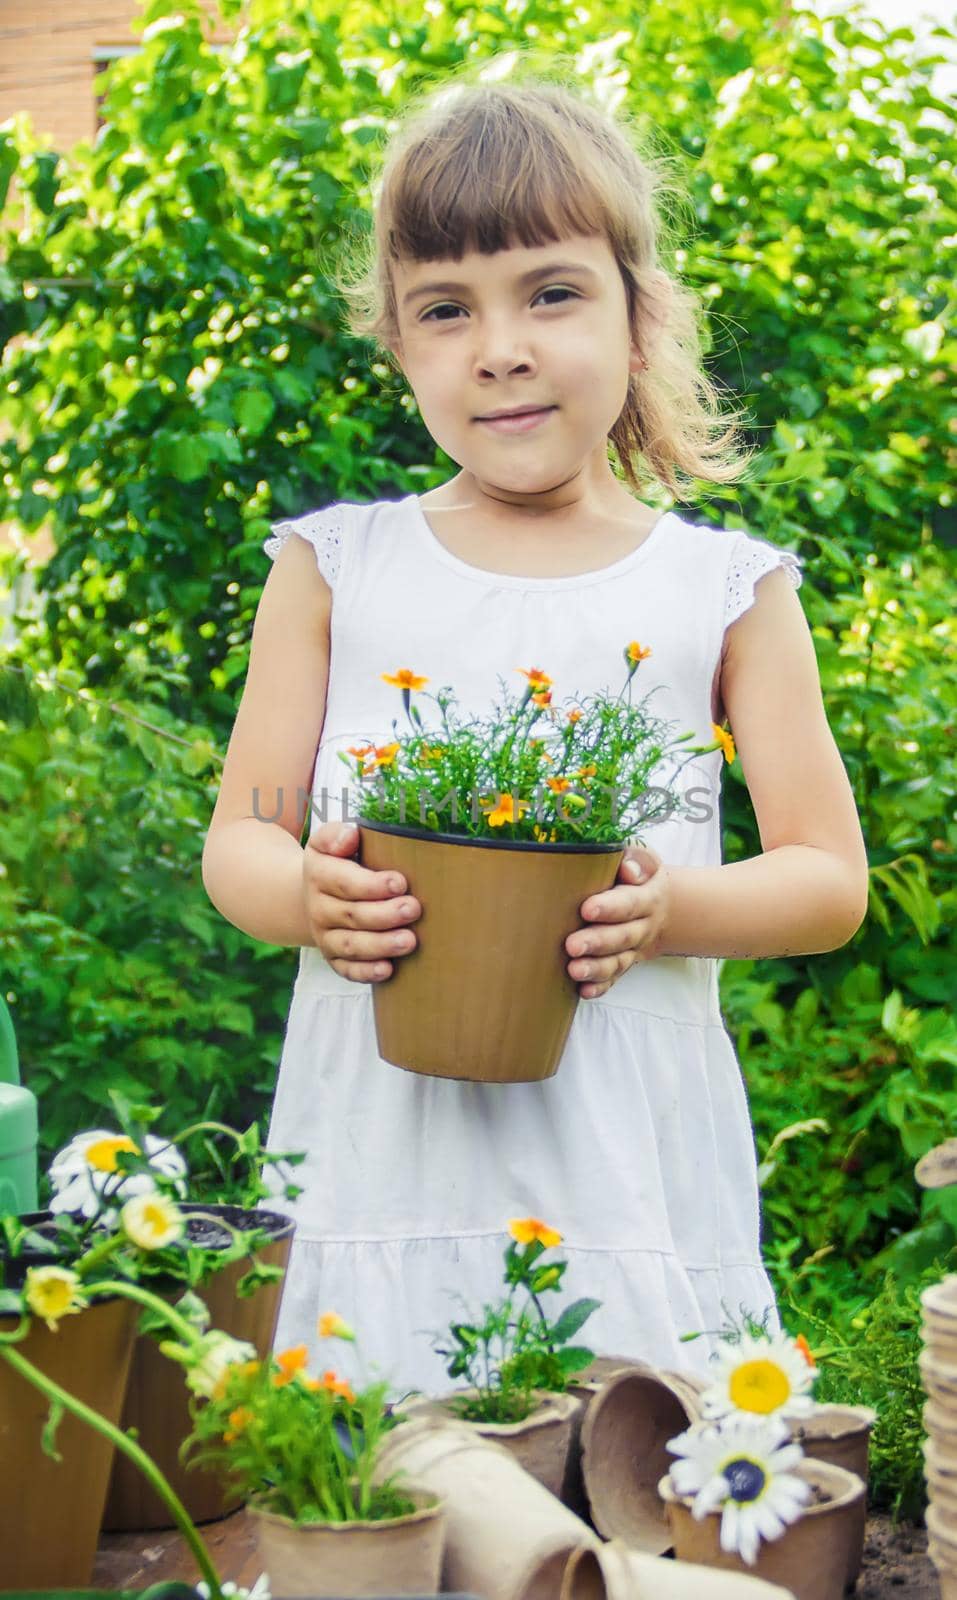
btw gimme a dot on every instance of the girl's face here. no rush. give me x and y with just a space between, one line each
543 326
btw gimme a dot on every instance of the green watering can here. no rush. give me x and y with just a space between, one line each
18 1127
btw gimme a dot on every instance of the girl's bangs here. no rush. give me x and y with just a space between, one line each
478 196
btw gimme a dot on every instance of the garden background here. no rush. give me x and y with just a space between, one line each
175 376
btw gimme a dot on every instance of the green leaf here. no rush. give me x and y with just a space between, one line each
572 1318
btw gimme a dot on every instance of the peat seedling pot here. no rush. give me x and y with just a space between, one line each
539 1443
617 1572
841 1435
485 996
157 1399
50 1511
394 1556
811 1556
507 1538
624 1439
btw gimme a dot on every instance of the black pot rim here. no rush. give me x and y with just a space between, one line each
562 847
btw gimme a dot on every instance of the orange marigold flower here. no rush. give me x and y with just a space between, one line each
725 740
558 785
332 1326
544 698
574 716
805 1350
405 678
535 676
360 749
336 1385
525 1229
385 754
289 1362
587 772
505 810
635 653
238 1420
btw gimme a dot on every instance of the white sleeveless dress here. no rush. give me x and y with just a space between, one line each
640 1149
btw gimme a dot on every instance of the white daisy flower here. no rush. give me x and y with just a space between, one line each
741 1466
769 1375
210 1359
85 1173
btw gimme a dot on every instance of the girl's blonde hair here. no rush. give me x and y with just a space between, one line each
485 163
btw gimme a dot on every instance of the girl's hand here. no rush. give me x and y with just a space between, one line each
628 925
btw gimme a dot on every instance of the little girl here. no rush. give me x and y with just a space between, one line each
514 269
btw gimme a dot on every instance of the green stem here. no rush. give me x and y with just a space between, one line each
130 1448
145 1297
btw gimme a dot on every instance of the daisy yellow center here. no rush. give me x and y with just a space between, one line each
759 1386
103 1153
155 1218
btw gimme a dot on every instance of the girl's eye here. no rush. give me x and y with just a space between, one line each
448 306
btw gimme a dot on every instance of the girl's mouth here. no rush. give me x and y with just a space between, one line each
519 424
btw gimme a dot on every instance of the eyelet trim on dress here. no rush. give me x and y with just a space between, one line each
322 529
749 563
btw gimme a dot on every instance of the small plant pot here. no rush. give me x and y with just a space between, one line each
586 1384
624 1436
617 1572
507 1538
394 1556
485 996
50 1511
811 1556
157 1398
539 1442
841 1435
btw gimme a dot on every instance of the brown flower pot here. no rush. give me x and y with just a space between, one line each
539 1442
396 1555
617 1572
810 1557
157 1399
507 1538
485 995
840 1435
623 1438
50 1511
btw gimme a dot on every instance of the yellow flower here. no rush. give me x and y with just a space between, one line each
102 1155
152 1221
385 755
337 1386
405 678
574 716
725 740
505 810
331 1326
525 1229
52 1293
558 785
635 653
542 836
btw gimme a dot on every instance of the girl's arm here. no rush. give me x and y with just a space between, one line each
807 892
252 868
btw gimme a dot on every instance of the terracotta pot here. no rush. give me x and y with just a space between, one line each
50 1511
617 1572
507 1538
841 1435
485 995
810 1557
397 1555
157 1399
587 1383
626 1428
